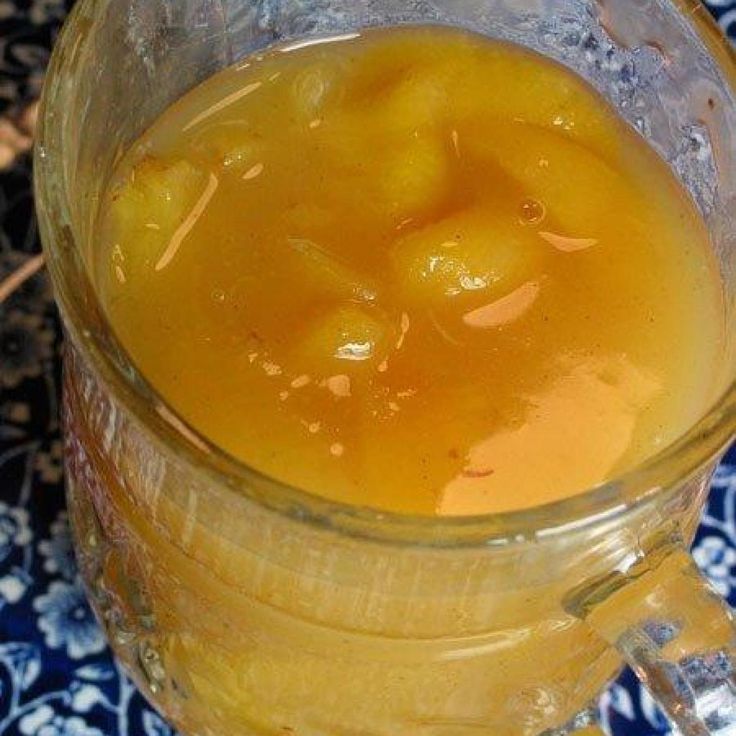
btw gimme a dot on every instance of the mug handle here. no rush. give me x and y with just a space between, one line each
673 629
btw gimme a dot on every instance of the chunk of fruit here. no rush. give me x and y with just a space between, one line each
419 101
400 175
389 62
345 339
147 210
439 89
230 146
472 253
545 95
569 193
414 178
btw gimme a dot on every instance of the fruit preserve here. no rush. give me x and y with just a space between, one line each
414 270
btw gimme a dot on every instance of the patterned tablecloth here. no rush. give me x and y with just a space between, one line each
57 676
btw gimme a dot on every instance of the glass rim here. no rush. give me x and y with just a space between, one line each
675 462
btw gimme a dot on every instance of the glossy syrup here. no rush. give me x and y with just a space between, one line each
413 269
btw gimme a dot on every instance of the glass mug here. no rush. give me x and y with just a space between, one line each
241 606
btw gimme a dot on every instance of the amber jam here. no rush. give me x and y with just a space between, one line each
413 269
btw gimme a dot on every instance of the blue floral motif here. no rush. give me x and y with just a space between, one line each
58 551
717 559
22 661
45 722
14 529
13 586
652 713
618 700
154 725
66 620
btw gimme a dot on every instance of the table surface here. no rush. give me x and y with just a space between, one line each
57 676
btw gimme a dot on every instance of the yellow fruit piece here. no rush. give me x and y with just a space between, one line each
347 338
388 63
569 193
387 139
548 96
472 253
508 83
229 146
400 174
149 210
414 178
417 102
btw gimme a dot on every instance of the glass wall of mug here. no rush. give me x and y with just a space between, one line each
241 606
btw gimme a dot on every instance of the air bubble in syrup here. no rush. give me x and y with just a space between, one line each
532 212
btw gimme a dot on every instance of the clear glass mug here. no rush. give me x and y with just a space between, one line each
241 606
